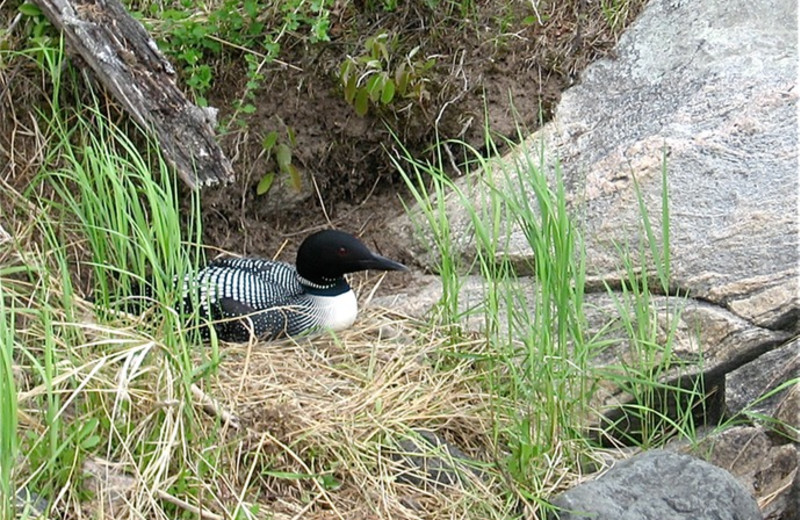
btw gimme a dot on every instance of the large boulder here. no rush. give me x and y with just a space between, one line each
709 87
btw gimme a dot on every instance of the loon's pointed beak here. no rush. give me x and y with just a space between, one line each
381 263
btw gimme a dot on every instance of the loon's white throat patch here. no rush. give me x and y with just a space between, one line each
336 312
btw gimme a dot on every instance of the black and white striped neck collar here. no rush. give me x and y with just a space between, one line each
332 288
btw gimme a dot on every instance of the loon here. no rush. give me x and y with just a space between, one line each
266 299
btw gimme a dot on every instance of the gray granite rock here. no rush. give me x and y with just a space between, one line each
713 85
657 485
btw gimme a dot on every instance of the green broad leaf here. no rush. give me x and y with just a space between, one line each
362 102
90 442
319 30
88 439
30 9
388 92
399 71
190 56
292 136
251 7
265 183
272 49
212 45
384 51
89 426
402 82
199 32
256 29
330 483
296 178
283 155
350 90
270 140
374 87
344 70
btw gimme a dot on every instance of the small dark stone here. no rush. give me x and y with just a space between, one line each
30 504
429 460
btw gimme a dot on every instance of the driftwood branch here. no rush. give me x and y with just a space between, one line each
127 62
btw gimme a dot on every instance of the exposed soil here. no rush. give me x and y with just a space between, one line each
502 66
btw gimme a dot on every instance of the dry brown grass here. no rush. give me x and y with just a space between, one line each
300 429
334 406
284 416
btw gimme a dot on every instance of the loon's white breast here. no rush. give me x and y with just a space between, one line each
336 312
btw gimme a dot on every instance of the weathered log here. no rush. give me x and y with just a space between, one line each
128 63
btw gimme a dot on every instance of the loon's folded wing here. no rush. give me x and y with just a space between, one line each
247 297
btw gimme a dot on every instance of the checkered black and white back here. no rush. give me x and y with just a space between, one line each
264 298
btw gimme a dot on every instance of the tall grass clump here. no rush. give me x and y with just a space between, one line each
545 345
533 328
429 189
103 383
539 348
650 334
101 188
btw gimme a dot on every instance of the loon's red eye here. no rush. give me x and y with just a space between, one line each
342 251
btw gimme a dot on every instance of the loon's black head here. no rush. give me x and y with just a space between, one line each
326 256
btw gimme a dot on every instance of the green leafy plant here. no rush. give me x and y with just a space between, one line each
252 29
379 76
280 145
40 26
